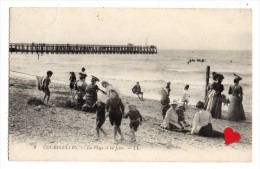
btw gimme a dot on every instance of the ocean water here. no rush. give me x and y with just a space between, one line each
152 71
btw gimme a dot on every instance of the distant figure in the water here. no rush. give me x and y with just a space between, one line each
137 90
215 104
231 61
46 83
235 109
72 80
186 95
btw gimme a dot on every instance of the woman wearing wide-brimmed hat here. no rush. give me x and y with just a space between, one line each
215 104
202 123
235 108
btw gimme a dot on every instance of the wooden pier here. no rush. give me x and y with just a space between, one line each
80 48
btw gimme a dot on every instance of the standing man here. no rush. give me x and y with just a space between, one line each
137 90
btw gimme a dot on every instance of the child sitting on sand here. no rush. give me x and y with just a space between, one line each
46 82
115 109
135 120
185 96
180 109
99 106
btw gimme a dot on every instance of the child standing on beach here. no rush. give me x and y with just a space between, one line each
99 106
135 120
115 109
186 95
46 82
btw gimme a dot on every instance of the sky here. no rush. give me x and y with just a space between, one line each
193 29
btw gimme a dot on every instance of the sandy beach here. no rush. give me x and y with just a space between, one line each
56 124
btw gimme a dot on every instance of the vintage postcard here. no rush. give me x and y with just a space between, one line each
130 84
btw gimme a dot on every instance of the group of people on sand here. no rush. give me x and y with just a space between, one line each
108 105
215 98
173 113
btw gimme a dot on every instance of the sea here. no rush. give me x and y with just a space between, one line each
152 71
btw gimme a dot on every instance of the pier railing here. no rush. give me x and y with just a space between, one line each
80 48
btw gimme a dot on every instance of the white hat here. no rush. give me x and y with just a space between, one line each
174 102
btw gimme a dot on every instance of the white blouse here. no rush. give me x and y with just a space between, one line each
201 118
171 117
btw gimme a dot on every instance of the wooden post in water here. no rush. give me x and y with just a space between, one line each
207 81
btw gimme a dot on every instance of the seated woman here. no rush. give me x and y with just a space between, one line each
202 123
173 120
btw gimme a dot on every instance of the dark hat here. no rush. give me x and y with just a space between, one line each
94 78
220 76
237 78
217 76
83 69
214 75
200 105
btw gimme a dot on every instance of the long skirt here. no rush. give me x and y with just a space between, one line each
216 107
207 131
235 109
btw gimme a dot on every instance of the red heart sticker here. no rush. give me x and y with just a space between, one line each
231 136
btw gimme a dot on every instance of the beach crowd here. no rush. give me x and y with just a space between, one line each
107 103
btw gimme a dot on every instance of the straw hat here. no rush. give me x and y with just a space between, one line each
174 102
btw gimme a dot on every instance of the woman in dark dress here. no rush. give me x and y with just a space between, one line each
235 108
216 105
